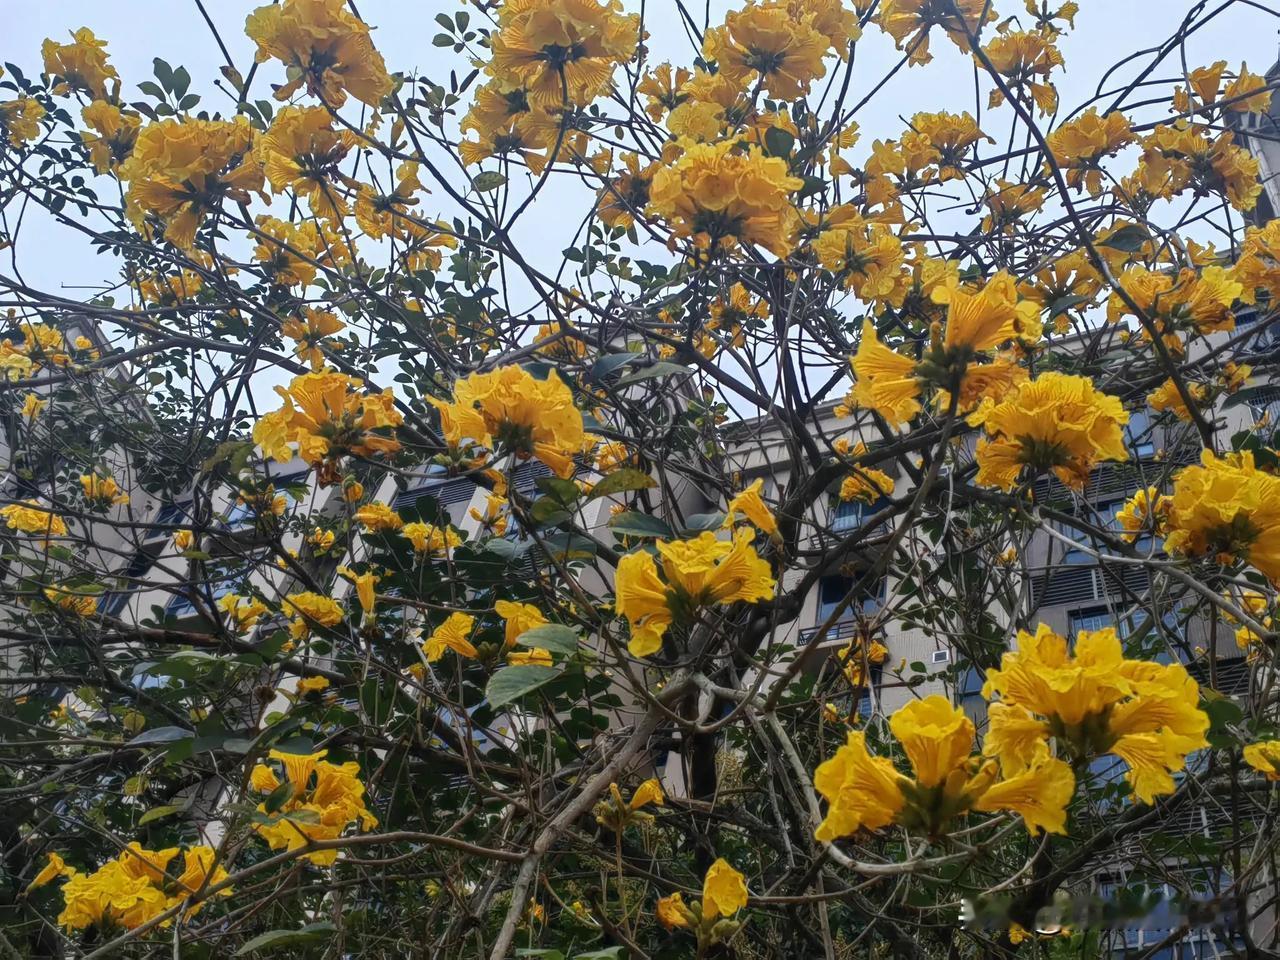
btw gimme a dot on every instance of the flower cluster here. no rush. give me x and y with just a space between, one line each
1056 422
327 416
720 194
867 792
711 919
322 800
1093 701
180 171
325 48
1226 509
696 573
511 410
134 888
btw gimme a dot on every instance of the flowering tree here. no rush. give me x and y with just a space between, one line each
267 689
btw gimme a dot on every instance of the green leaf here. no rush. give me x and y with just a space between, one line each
489 180
442 40
549 511
512 683
608 953
272 939
158 813
619 481
564 491
540 953
698 522
161 735
555 637
163 72
663 368
610 363
632 524
778 142
1063 304
1128 238
1247 394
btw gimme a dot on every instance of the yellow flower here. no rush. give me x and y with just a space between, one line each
114 134
886 381
377 517
80 604
562 53
21 119
909 22
860 790
724 890
452 635
32 406
865 791
29 517
1167 397
326 416
1094 701
648 792
511 408
1145 512
324 46
126 891
720 195
301 151
538 656
984 319
507 124
1194 159
308 685
1025 58
763 45
753 508
330 794
428 538
1263 756
198 873
54 867
181 169
519 617
309 609
1056 422
80 65
627 195
936 737
1227 509
183 540
309 334
672 912
102 490
1078 146
292 253
241 612
869 255
698 572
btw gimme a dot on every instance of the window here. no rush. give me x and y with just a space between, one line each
1090 618
1266 403
940 656
453 496
114 601
1101 514
1138 435
866 702
833 590
971 681
220 583
846 515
